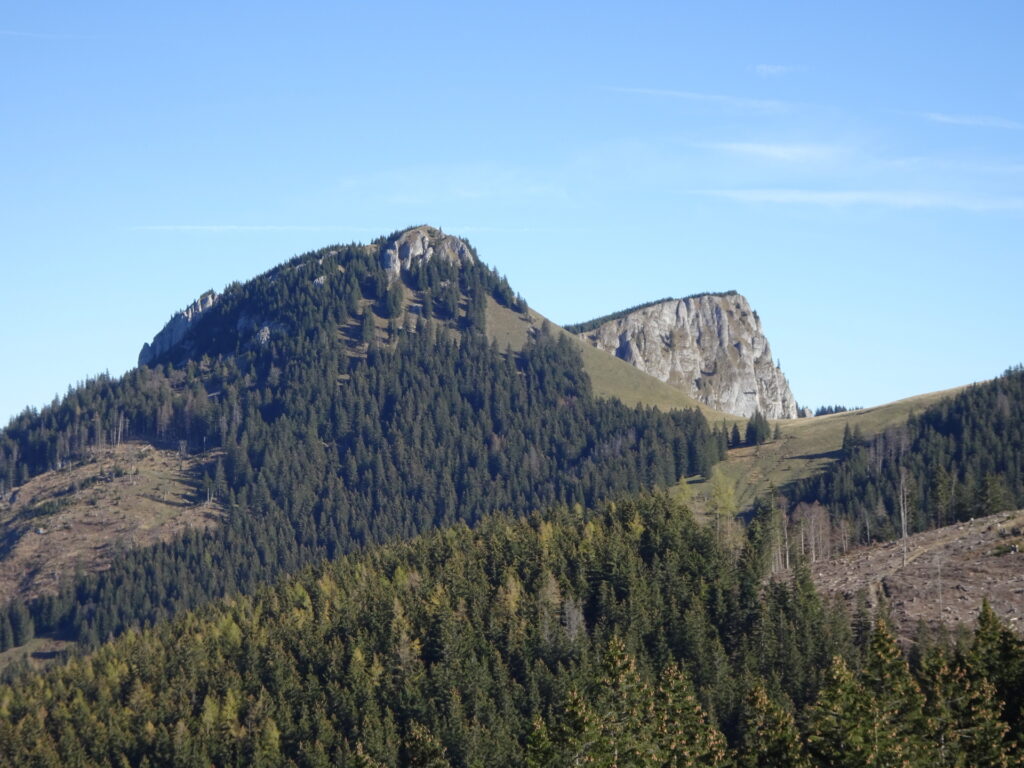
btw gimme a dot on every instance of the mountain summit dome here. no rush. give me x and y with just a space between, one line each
420 244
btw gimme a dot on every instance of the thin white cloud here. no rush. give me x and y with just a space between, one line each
885 198
236 228
795 153
976 121
773 70
42 35
1008 168
735 102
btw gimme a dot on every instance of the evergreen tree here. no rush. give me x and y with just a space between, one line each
684 732
997 655
758 430
963 712
770 738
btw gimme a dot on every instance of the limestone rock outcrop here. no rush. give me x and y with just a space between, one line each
176 328
711 346
422 244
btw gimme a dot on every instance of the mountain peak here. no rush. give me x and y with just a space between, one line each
420 244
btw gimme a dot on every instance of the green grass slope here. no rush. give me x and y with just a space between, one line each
610 376
809 446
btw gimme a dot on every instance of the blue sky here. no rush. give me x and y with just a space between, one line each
855 169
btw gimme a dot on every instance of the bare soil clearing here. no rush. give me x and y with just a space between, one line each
82 516
949 572
38 653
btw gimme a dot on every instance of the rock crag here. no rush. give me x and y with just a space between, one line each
422 244
711 346
176 328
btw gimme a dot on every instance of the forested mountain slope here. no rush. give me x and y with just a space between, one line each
809 446
961 458
347 397
625 636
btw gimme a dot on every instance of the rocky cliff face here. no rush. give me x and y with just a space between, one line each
176 328
710 346
422 244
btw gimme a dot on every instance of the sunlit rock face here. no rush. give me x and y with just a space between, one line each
176 328
422 244
711 346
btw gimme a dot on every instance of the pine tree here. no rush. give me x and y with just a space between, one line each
360 759
997 654
541 751
964 714
368 329
769 736
841 730
424 749
684 733
876 718
618 727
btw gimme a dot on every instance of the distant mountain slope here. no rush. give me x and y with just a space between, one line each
346 397
711 346
962 457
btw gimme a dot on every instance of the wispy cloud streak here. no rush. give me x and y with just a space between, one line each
784 152
238 228
890 199
772 70
975 121
735 102
42 35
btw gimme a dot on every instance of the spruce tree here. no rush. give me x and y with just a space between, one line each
963 711
684 732
769 735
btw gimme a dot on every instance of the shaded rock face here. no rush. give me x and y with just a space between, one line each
711 346
422 244
175 330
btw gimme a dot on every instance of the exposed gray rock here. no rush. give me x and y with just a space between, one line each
176 328
711 346
422 244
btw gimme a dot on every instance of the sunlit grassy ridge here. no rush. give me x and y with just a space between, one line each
809 446
609 376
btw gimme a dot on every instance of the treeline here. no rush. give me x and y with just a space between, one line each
756 432
330 437
959 459
619 637
828 410
597 322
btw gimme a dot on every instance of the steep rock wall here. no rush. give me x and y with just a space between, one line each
710 346
176 328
